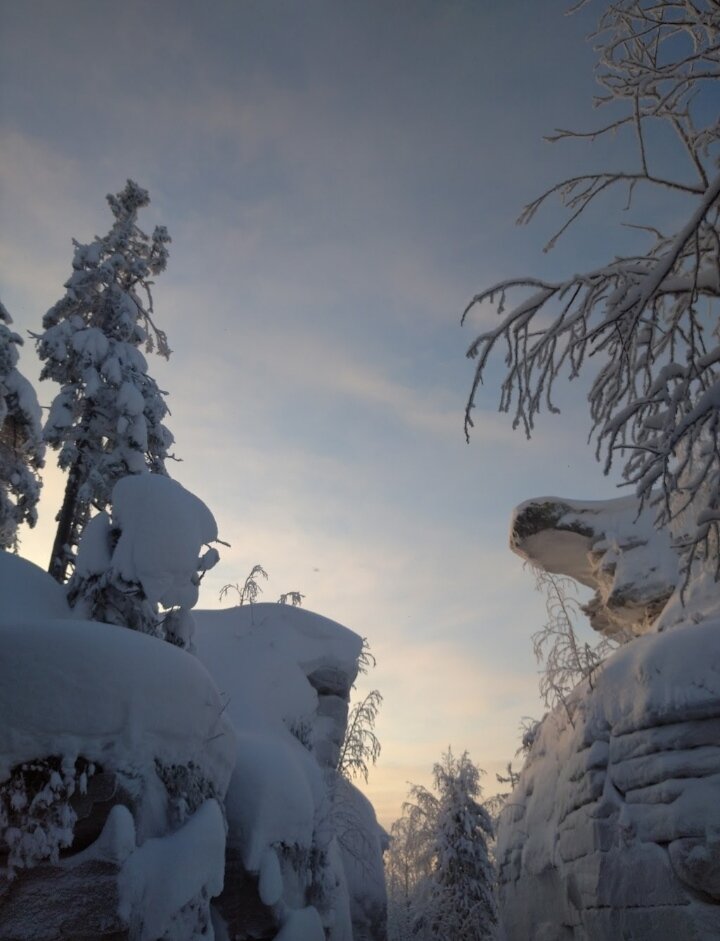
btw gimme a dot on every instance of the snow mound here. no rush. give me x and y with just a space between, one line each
28 593
110 695
270 660
274 796
164 885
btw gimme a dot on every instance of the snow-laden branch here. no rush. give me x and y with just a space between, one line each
649 320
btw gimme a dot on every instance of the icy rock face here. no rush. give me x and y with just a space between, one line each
613 830
286 675
110 783
607 545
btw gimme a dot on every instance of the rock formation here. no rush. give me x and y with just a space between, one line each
147 793
613 830
610 546
108 787
297 832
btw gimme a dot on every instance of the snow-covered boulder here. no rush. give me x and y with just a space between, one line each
286 675
115 756
608 545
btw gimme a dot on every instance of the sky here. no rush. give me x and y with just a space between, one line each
339 177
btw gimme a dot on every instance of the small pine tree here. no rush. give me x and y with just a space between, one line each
106 421
21 446
456 901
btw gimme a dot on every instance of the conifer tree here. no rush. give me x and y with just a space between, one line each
107 420
455 901
21 446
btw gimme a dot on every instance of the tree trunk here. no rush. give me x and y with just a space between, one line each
60 556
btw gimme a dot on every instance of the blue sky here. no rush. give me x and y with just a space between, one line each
338 179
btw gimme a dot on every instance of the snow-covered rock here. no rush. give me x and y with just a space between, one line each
610 546
75 688
613 830
286 675
123 763
115 756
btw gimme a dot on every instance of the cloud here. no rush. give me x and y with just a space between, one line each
337 181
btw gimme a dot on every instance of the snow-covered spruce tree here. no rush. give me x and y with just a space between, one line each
456 900
107 420
650 319
22 449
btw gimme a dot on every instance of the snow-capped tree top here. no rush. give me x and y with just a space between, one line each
118 265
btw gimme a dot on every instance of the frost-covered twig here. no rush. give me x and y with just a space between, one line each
251 587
